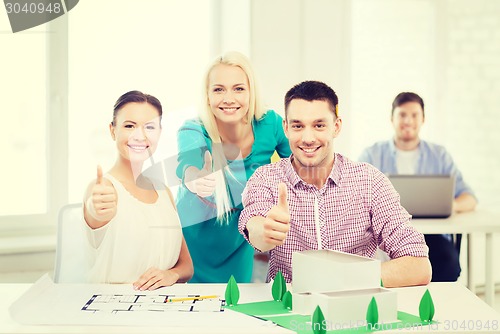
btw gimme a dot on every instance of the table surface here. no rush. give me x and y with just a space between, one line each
456 310
480 220
485 220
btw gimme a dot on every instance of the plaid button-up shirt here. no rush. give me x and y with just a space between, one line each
356 210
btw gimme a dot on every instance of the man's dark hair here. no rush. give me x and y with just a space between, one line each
406 97
312 91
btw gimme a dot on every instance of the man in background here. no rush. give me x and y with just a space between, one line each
406 153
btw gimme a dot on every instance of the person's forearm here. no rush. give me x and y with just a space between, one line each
184 266
465 202
182 272
256 234
406 271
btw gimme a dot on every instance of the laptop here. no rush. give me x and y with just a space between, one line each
425 196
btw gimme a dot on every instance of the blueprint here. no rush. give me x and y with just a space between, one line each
152 303
192 307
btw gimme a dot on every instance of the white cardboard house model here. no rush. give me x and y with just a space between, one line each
342 285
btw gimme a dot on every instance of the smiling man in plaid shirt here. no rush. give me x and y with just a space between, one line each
319 199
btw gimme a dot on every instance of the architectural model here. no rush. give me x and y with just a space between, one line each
342 285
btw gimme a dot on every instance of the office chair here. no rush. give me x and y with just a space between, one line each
71 265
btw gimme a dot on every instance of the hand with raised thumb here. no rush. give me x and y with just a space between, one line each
283 198
277 222
201 181
101 204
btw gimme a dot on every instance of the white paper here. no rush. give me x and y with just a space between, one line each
46 303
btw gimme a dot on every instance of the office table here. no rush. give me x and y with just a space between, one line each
479 221
456 309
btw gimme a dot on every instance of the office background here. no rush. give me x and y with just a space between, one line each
60 80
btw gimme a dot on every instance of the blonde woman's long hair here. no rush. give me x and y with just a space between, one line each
219 160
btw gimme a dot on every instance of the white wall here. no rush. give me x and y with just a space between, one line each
367 50
296 40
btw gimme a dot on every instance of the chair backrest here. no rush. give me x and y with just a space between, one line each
71 265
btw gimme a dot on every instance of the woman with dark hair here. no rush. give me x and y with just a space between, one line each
132 224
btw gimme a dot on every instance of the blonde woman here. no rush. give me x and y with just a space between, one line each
218 152
132 225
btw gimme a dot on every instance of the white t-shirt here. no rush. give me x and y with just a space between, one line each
139 237
406 161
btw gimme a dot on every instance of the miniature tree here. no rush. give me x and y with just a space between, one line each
232 292
317 321
287 300
372 314
279 286
426 307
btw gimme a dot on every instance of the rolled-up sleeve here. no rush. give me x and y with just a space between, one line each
391 222
450 168
257 198
191 145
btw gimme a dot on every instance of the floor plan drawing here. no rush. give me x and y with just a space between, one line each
114 303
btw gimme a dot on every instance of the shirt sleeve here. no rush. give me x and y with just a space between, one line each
450 168
257 200
391 222
191 145
95 236
366 156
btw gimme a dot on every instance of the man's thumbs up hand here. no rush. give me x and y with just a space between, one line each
277 222
282 197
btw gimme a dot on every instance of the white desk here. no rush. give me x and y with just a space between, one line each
479 221
457 310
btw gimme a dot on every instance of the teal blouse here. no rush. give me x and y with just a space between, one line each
218 250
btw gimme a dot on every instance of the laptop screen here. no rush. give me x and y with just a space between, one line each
425 196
